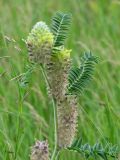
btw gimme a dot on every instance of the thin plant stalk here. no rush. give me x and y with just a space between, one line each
57 155
54 154
55 130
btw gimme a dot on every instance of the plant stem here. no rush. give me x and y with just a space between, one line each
55 152
55 131
57 155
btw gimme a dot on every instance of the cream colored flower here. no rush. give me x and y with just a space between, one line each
58 66
67 121
39 43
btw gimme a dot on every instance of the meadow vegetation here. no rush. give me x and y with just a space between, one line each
27 114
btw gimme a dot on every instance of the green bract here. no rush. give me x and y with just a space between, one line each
61 55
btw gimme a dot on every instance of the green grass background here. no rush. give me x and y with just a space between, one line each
95 27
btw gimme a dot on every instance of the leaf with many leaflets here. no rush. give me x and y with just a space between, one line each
95 151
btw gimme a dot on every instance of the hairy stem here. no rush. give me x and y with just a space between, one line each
55 117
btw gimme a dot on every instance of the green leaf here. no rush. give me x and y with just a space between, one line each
94 151
99 146
25 78
103 155
60 27
77 143
80 77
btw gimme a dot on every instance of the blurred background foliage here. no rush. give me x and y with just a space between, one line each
26 114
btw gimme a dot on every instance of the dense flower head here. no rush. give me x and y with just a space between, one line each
57 68
40 151
57 72
39 42
67 120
